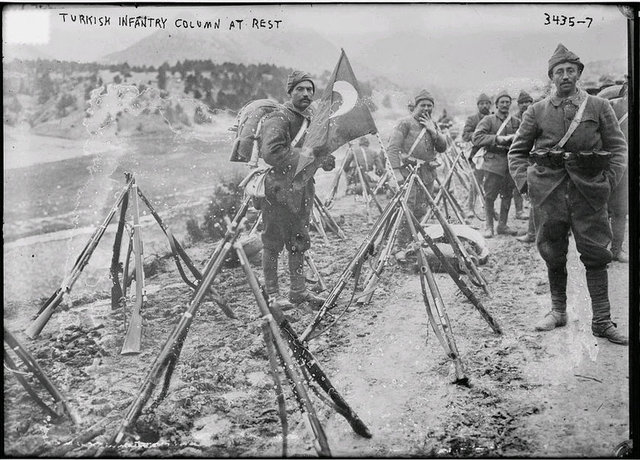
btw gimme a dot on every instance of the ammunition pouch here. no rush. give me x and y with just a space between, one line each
549 158
589 162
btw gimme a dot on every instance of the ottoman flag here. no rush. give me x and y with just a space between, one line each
341 116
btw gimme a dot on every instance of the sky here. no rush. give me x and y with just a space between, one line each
454 40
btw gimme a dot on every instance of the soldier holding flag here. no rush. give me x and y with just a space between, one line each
289 197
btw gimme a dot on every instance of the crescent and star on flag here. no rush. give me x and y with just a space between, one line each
349 97
338 120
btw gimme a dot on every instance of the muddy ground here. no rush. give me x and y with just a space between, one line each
560 393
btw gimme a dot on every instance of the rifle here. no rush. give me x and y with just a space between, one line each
116 289
133 338
178 252
426 279
374 277
315 270
366 191
329 218
454 241
366 247
33 367
388 168
50 305
304 357
336 179
456 277
272 336
173 346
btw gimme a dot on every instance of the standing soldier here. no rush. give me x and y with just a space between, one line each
287 204
484 108
618 202
524 101
568 155
368 160
409 145
495 133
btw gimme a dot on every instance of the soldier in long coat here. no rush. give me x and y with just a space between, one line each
287 205
570 187
524 101
619 201
403 150
484 108
497 180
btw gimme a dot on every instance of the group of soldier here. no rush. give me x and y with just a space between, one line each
565 153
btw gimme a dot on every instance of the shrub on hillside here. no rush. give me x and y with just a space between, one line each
225 201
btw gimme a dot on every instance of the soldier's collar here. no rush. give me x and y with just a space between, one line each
306 114
575 99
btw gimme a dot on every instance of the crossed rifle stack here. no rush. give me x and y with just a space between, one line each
283 346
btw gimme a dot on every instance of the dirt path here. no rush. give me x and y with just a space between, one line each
562 393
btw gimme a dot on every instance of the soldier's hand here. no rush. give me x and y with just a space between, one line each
428 123
410 161
329 163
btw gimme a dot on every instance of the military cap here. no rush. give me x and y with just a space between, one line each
482 98
502 93
298 76
524 97
424 94
562 54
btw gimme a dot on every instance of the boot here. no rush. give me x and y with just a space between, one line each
270 270
557 317
298 292
488 210
518 201
471 203
530 236
527 238
503 228
601 324
618 224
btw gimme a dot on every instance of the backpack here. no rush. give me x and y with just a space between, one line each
248 123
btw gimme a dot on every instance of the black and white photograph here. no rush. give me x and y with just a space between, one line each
319 230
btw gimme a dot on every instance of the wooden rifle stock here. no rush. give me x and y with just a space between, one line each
43 318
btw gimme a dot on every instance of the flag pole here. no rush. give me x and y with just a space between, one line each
387 163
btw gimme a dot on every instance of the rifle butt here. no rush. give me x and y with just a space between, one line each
369 286
133 339
43 318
